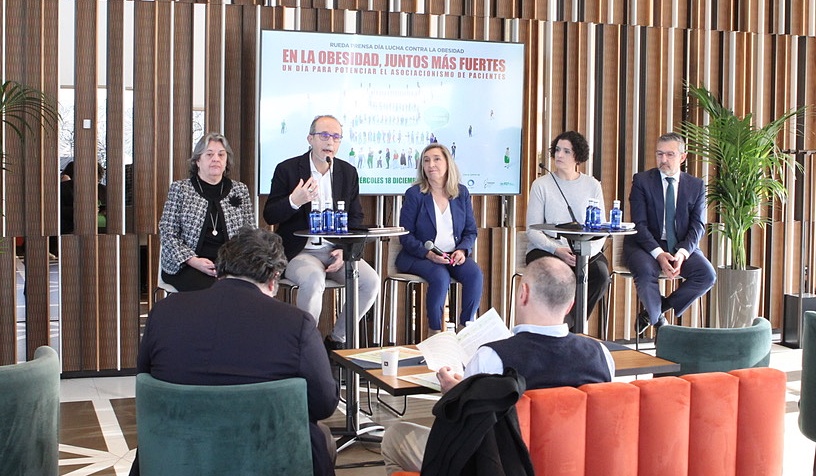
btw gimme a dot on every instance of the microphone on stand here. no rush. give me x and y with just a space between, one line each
331 176
430 246
573 225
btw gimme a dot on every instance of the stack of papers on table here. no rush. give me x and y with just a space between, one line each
372 359
449 349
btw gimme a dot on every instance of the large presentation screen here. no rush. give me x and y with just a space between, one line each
394 96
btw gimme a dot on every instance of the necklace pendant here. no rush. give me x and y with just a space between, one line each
215 232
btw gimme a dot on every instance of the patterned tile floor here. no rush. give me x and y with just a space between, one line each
98 427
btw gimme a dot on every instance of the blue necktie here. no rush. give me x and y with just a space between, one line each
671 235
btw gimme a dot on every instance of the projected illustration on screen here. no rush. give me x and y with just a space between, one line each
394 96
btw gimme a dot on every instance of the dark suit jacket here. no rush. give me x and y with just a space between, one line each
419 218
278 211
476 431
232 334
647 209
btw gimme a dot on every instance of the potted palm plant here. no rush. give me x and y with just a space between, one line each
21 109
746 169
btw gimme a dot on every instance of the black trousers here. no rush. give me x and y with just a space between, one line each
597 280
189 279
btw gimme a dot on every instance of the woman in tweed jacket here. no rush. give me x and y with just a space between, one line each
201 213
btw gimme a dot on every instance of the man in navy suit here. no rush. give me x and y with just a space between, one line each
663 245
318 175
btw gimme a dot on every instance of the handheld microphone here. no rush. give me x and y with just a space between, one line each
430 246
573 225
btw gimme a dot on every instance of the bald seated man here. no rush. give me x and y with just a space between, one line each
542 350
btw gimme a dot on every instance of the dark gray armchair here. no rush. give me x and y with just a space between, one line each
250 429
700 350
29 415
807 399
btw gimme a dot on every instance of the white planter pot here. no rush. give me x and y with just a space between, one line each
738 295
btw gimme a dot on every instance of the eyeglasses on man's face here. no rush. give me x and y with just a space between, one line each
325 136
669 155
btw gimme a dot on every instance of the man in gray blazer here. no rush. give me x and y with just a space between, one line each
663 244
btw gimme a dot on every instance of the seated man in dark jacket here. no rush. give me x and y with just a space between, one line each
236 332
542 350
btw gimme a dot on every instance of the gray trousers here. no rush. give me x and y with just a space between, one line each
403 446
308 271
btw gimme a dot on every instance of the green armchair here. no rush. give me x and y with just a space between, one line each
807 398
250 429
700 350
29 415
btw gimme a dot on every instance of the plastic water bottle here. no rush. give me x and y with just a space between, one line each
615 216
341 218
315 218
328 217
596 215
588 215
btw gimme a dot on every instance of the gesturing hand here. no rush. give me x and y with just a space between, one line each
304 192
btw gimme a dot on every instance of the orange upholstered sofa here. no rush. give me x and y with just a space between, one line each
701 424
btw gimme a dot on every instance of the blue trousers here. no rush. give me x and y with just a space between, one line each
439 278
697 273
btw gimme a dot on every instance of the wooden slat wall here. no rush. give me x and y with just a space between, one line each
612 70
144 116
214 71
12 188
76 338
182 89
115 115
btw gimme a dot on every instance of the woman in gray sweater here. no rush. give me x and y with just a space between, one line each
547 205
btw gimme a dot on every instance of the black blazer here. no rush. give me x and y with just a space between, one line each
232 333
476 431
278 211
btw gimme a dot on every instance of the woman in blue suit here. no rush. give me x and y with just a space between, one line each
437 209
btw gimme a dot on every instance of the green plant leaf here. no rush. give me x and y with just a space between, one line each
22 108
746 166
